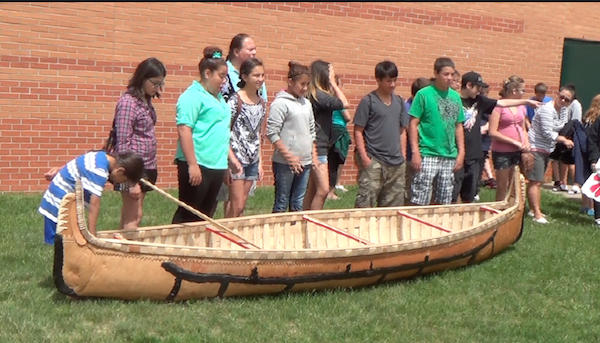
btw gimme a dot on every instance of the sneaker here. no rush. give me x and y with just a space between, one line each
541 220
341 188
563 188
591 212
584 210
597 221
556 186
575 190
476 197
530 213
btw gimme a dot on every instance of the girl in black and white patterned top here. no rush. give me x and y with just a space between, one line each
248 110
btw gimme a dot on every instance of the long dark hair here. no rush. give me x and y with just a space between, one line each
246 68
148 68
237 42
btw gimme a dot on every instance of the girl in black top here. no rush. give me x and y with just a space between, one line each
326 97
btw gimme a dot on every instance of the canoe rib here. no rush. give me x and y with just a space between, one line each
233 239
404 214
489 209
336 230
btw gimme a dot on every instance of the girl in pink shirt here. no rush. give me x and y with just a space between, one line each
509 136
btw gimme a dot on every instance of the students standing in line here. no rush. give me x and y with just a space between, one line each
416 86
340 147
380 134
508 130
134 127
325 96
248 111
476 108
291 129
543 136
436 136
241 48
591 122
203 123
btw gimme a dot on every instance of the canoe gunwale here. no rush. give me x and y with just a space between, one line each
152 250
304 254
297 216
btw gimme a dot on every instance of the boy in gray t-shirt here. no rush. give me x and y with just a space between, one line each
380 136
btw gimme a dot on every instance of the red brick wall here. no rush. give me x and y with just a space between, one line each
64 65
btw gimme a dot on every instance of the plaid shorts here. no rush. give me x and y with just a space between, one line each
440 170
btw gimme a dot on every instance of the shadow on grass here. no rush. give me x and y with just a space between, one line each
566 210
47 282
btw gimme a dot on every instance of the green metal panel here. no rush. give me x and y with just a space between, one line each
580 66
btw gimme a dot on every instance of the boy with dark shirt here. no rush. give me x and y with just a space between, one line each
380 136
476 107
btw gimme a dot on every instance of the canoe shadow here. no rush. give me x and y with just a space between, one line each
57 297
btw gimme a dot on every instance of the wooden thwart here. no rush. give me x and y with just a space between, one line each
417 219
238 239
232 238
336 230
489 209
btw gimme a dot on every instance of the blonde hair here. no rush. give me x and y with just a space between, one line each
319 71
594 111
510 84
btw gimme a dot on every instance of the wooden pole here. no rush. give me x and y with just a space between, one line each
196 212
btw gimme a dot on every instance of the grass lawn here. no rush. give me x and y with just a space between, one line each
545 288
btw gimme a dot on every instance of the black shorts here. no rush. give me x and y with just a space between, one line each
149 175
562 154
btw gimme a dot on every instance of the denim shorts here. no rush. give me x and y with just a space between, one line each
149 175
505 160
249 172
323 159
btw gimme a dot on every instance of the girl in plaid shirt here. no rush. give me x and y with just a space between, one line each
134 124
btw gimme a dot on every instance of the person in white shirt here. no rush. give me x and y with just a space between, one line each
543 136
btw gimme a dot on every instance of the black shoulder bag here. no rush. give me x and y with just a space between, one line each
111 142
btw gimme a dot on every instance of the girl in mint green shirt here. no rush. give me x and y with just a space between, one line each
203 121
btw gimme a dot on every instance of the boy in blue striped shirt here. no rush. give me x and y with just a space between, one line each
94 169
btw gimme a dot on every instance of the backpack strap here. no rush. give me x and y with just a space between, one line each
230 89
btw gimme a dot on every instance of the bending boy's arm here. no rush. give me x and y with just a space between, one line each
93 213
50 174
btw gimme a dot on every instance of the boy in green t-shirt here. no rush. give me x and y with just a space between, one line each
436 136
